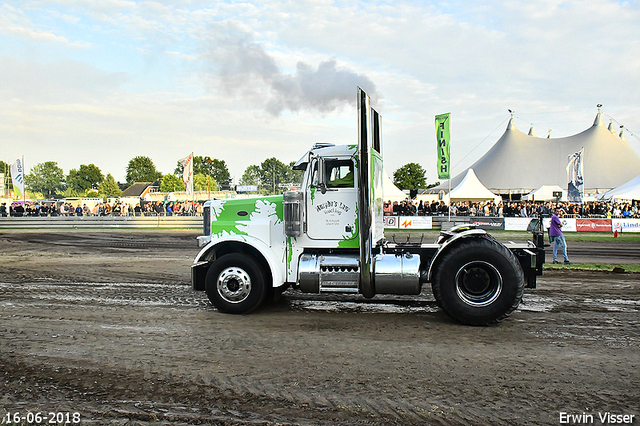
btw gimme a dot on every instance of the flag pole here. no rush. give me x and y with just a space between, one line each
193 189
449 159
449 196
5 180
582 172
24 186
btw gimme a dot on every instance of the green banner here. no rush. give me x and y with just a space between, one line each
444 147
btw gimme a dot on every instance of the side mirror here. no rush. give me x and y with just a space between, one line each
321 182
322 185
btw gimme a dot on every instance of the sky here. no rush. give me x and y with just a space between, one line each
103 81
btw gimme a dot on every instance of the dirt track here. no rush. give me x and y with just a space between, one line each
105 324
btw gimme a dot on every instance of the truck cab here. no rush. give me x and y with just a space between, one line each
330 193
328 237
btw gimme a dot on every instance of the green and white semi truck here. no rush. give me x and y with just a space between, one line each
328 237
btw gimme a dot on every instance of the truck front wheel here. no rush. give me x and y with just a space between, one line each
235 284
478 282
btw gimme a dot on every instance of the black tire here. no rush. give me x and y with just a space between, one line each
478 282
235 284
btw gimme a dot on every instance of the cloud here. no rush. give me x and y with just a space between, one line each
57 83
14 23
245 68
138 87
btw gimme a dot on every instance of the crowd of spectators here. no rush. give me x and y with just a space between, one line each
409 207
54 208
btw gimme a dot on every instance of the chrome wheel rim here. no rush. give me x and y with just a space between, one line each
234 284
478 283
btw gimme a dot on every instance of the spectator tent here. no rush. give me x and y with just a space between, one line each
545 193
520 163
471 189
627 191
390 191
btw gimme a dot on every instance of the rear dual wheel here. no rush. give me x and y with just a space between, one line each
235 284
478 282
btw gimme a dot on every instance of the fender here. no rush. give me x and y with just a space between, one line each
275 262
457 236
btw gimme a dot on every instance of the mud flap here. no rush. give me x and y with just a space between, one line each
198 275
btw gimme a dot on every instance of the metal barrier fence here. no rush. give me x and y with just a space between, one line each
469 215
184 222
390 223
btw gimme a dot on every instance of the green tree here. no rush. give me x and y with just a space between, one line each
84 178
219 171
202 183
46 178
294 176
70 192
220 174
251 176
171 183
270 175
273 172
142 169
109 187
410 176
6 169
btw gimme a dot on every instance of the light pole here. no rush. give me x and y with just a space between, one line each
209 182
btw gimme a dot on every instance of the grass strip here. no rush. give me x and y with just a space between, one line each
602 267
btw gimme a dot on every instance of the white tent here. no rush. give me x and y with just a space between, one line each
627 191
520 163
389 190
471 189
545 193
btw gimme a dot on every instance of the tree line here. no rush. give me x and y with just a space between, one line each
272 176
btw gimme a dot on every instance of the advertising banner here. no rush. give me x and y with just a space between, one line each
488 222
593 225
444 147
575 177
415 222
625 225
517 223
187 173
17 176
568 224
246 188
391 222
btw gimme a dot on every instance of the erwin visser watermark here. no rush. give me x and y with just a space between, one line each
599 418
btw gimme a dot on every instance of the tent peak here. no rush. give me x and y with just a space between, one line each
531 132
611 127
598 120
622 134
512 124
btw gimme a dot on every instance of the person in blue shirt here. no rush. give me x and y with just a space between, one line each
555 231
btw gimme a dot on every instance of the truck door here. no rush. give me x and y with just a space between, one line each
331 213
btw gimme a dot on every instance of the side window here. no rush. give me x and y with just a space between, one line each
339 173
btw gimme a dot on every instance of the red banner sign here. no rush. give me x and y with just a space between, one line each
593 225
